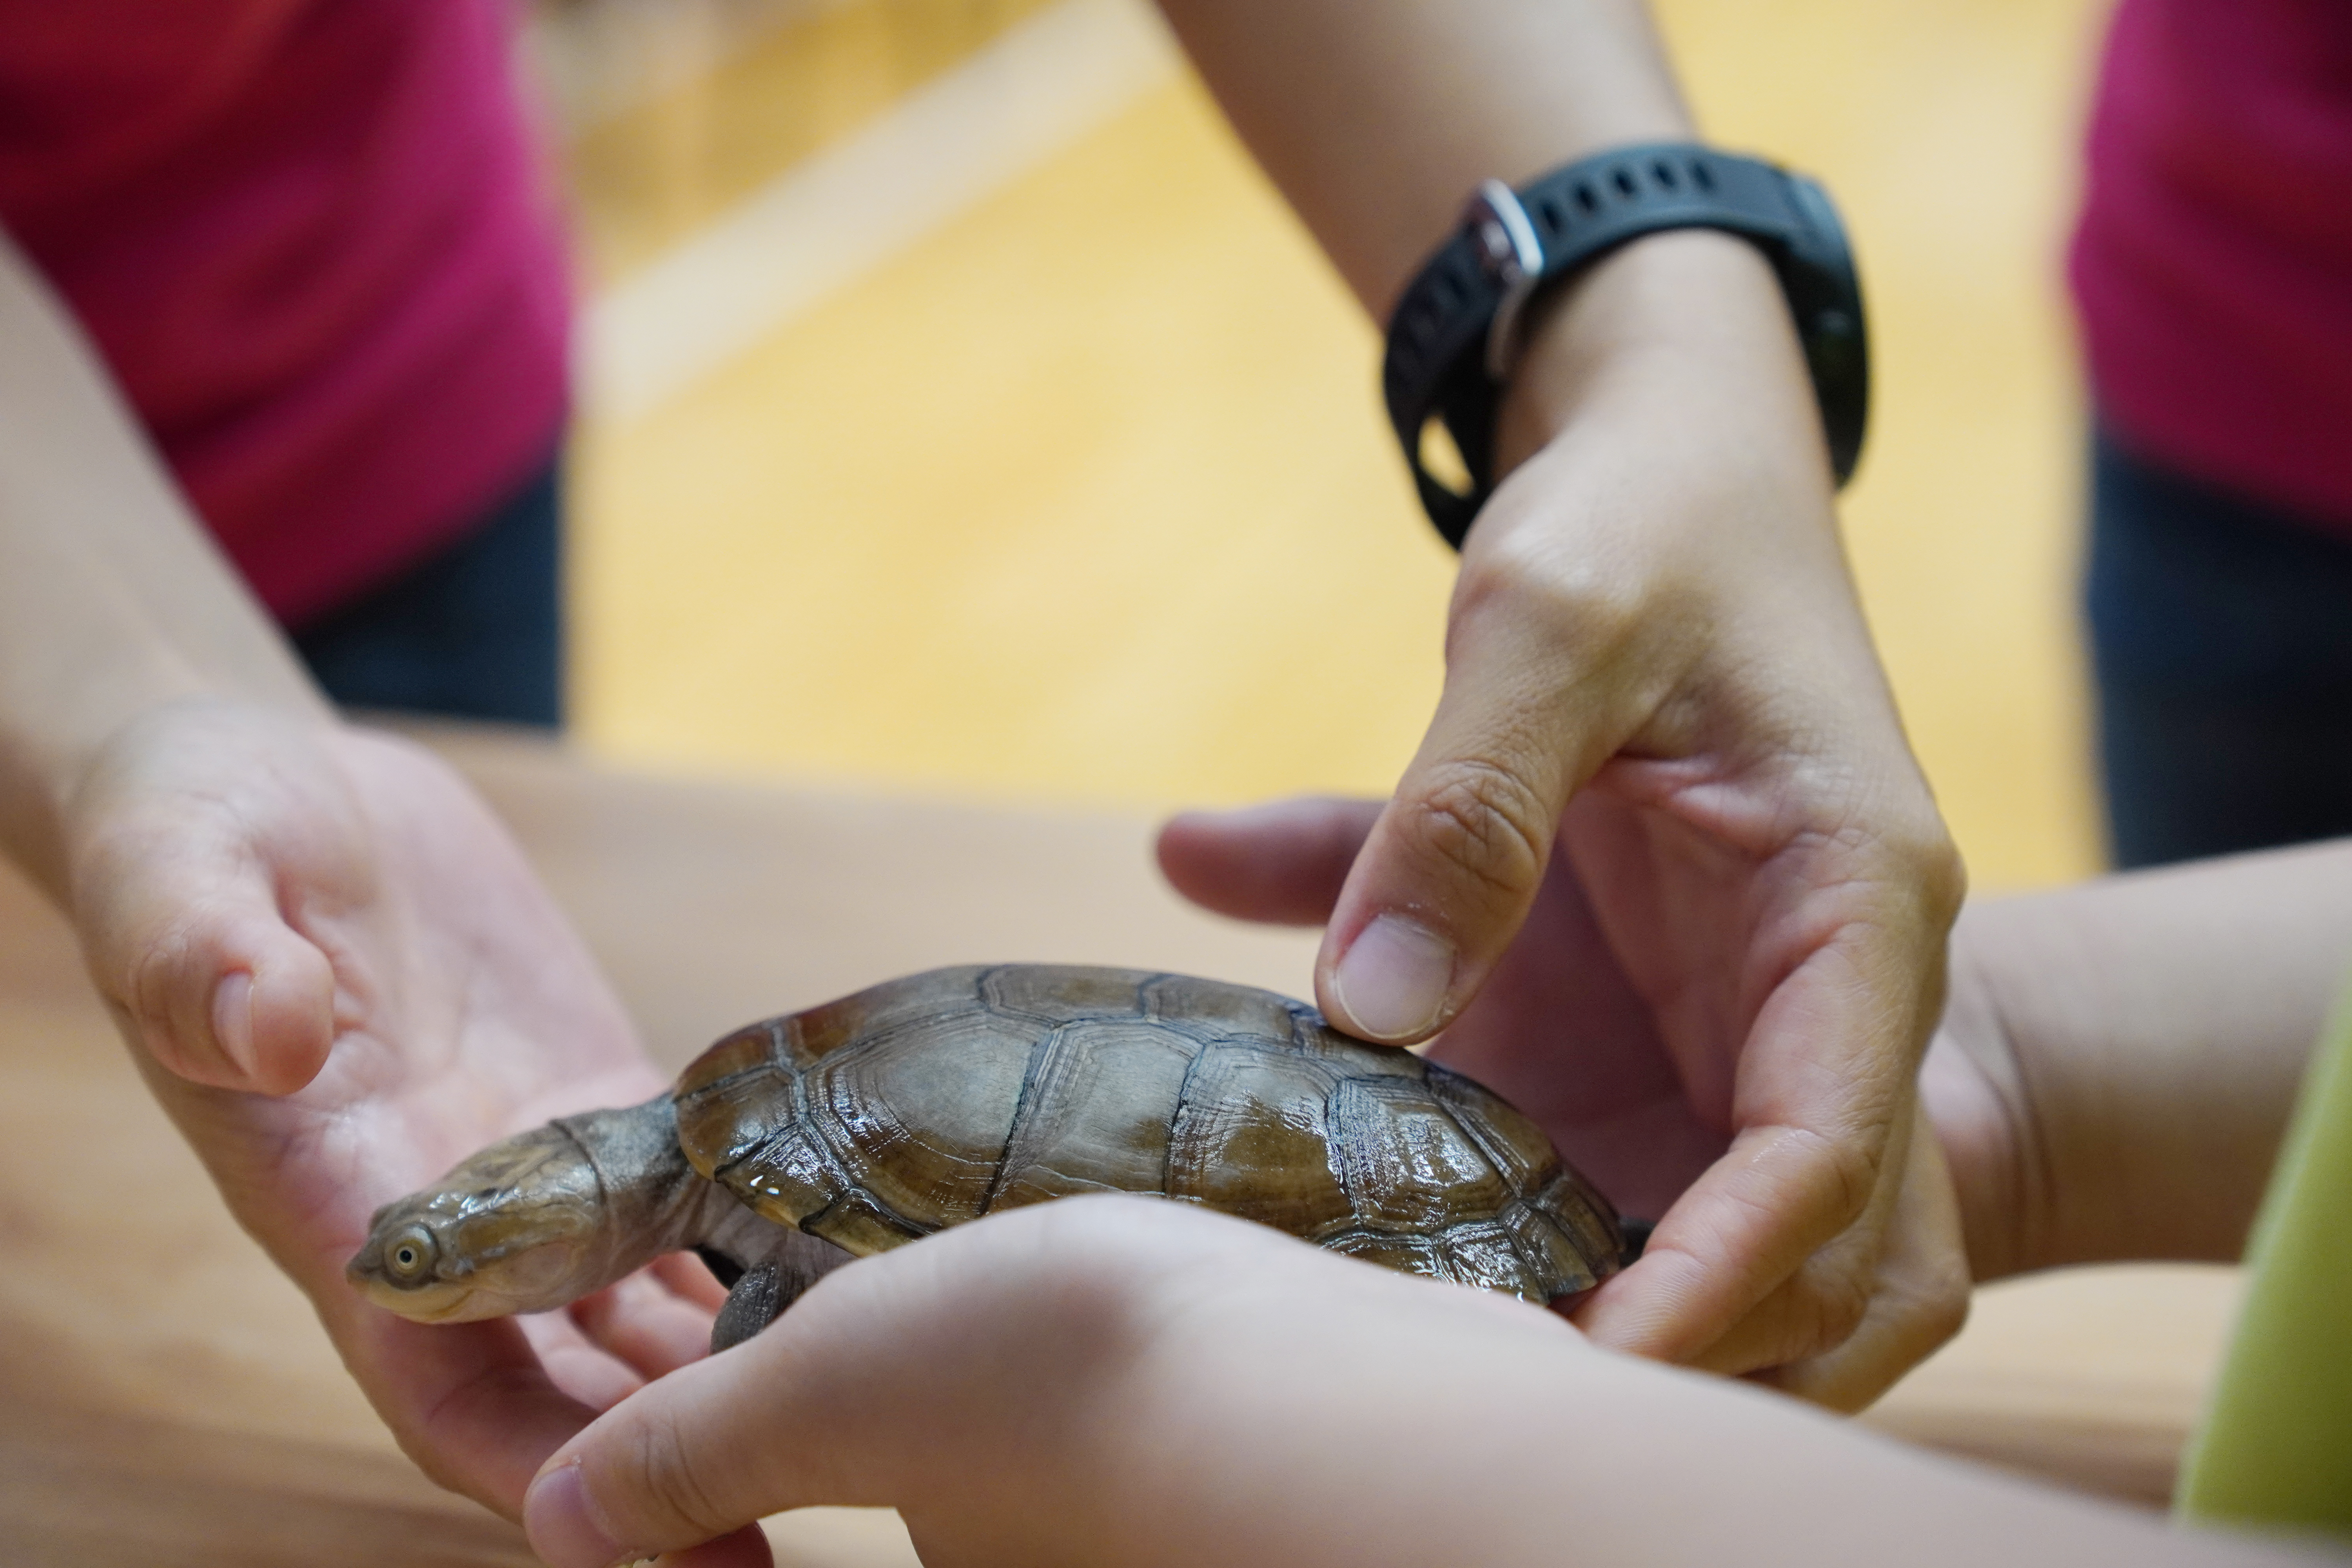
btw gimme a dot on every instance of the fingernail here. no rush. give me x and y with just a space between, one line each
1391 981
556 1518
232 1019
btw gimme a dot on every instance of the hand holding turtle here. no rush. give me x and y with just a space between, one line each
1119 1381
339 976
1664 869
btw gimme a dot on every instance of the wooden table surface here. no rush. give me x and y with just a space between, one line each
167 1399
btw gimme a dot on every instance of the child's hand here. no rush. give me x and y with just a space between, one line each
1116 1380
1094 1381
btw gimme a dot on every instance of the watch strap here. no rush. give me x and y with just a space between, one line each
1447 359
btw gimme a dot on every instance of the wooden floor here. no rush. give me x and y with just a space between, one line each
1058 474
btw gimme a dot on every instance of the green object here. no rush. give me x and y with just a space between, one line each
2275 1451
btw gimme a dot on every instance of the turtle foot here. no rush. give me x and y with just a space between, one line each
757 1301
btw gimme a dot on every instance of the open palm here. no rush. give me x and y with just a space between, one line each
340 977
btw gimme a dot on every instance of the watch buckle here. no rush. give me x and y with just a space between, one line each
1510 254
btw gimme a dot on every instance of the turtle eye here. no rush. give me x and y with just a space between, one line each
409 1255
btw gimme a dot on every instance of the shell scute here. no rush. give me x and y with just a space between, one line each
918 1117
1405 1253
1209 1009
857 1224
882 1009
1253 1138
1053 995
1317 1041
1550 1252
1577 1208
789 1177
735 1097
1482 1253
1513 1141
1408 1164
1096 1115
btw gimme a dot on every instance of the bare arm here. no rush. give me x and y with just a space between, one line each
112 599
1661 707
335 968
1113 1380
2121 1058
1378 120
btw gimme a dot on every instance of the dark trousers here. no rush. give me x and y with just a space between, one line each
2222 642
476 632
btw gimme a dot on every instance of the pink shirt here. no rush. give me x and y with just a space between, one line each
313 241
2213 264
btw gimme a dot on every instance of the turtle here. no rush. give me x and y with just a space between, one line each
799 1142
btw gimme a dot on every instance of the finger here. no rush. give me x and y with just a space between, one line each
582 1369
1827 1297
1831 965
643 1322
689 1278
1830 1296
1282 863
787 1419
1920 1302
1543 681
470 1403
1741 1231
184 938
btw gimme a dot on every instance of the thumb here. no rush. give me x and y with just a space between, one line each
966 1378
186 941
191 839
1449 872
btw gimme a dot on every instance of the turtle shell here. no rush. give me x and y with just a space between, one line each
927 1101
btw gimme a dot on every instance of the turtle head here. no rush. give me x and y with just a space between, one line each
520 1227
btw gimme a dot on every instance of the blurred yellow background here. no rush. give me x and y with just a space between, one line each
965 414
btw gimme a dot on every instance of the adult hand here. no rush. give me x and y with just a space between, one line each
340 977
1664 869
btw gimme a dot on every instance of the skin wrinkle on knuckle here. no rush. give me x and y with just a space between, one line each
1856 1166
1834 1296
1482 820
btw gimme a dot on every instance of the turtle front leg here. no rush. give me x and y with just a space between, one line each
757 1301
765 1267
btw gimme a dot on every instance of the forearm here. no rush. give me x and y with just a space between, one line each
1110 1381
2144 1037
112 599
1516 1447
1379 119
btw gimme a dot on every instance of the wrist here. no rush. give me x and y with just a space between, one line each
51 753
1980 1108
1670 311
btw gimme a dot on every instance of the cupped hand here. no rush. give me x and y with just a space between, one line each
340 977
1663 870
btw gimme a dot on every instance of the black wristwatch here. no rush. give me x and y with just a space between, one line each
1455 333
